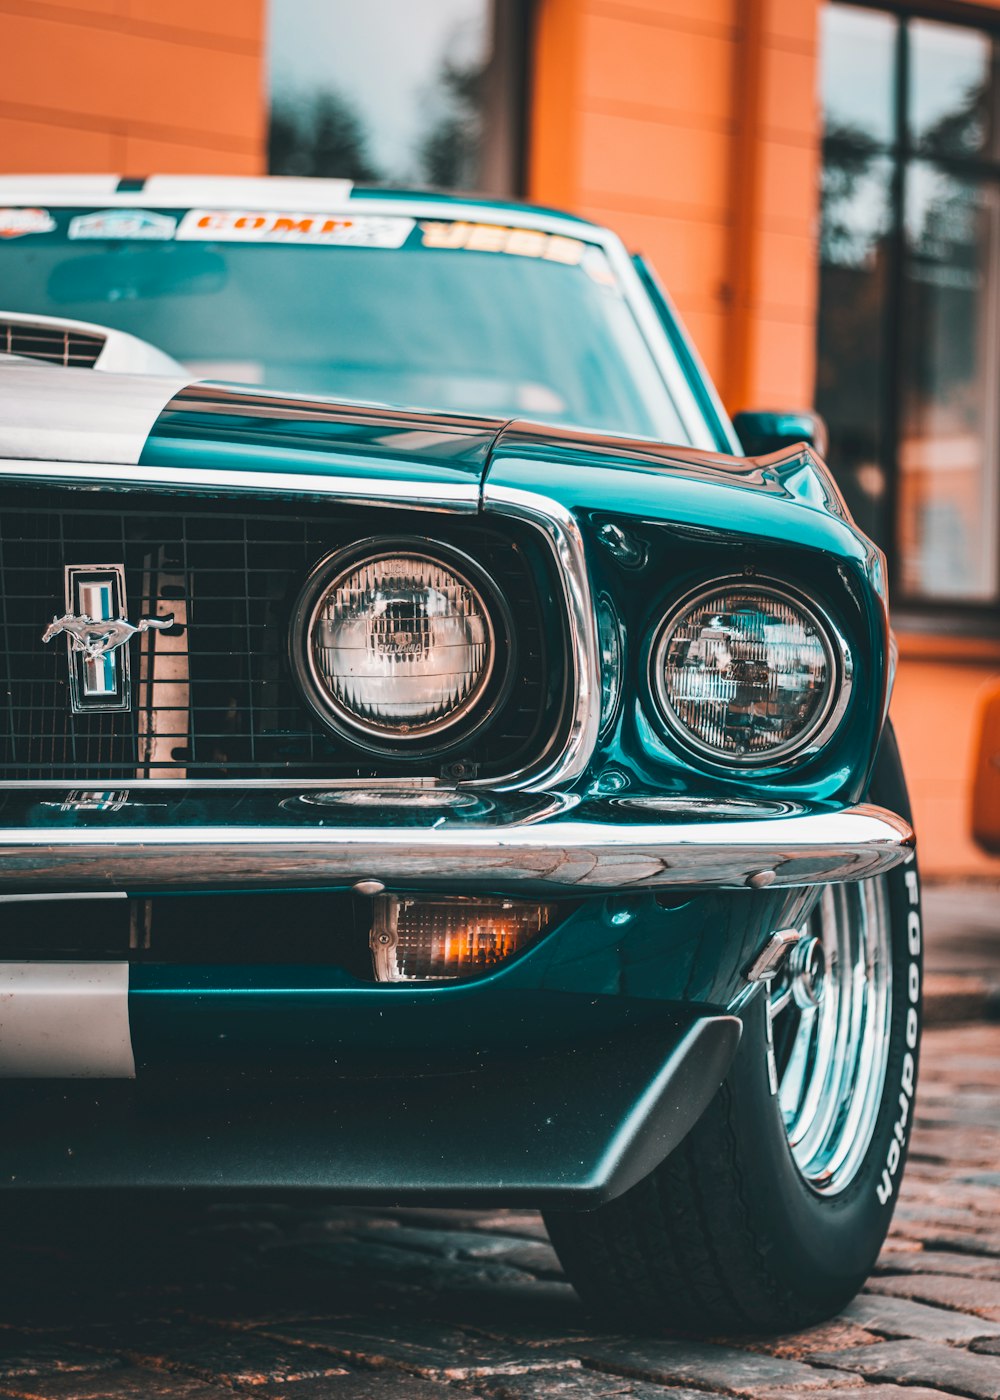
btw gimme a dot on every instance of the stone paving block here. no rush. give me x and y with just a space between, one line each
912 1363
902 1317
985 1243
971 1295
868 1392
797 1346
369 1385
28 1355
130 1383
424 1349
229 1357
938 1261
707 1366
581 1385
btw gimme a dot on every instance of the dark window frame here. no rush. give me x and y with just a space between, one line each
916 612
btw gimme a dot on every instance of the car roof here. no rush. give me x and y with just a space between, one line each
279 192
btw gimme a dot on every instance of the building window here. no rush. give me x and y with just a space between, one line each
396 93
909 325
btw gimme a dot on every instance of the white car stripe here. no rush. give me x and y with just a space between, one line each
71 415
62 1020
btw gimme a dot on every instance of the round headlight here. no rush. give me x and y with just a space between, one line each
748 674
395 642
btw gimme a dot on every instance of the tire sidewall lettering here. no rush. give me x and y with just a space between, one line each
885 1185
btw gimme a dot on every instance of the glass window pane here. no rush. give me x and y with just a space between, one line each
950 89
858 54
389 92
851 364
949 520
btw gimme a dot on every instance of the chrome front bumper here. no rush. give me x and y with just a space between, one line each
169 842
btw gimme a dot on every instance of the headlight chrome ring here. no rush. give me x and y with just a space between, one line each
402 645
748 673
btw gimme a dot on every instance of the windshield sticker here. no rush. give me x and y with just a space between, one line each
241 226
496 238
122 223
16 222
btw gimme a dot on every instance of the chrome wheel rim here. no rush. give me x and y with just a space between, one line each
829 1011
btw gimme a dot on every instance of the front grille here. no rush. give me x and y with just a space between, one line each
215 697
61 347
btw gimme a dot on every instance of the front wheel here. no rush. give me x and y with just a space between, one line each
771 1213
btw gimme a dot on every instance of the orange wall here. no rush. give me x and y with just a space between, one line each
935 710
132 86
692 128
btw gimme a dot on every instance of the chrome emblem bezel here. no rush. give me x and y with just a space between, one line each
97 637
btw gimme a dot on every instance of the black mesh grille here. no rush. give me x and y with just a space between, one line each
61 347
214 697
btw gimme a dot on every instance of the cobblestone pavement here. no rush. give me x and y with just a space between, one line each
175 1302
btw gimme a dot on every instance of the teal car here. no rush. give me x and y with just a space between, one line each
442 758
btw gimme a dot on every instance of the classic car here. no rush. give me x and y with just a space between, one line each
443 758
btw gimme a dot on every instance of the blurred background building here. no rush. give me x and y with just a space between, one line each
818 184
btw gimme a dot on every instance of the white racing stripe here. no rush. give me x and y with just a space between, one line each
62 1020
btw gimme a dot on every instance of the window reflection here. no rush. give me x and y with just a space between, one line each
948 446
388 92
858 50
857 89
909 320
951 89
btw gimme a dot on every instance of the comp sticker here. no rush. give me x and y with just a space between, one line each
14 223
122 223
269 226
497 238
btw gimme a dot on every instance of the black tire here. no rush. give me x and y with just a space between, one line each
728 1235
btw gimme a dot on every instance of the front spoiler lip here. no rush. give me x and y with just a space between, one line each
591 850
570 1126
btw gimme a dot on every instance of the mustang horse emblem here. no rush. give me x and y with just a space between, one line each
95 639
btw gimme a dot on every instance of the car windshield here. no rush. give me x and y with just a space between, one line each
449 315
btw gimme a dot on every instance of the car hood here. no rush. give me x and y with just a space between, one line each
180 433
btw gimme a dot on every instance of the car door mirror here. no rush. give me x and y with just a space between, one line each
761 432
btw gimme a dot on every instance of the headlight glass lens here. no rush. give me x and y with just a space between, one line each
746 674
401 644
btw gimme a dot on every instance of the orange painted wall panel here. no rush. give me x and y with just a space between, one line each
132 86
236 21
645 162
789 187
934 709
146 155
114 75
700 14
791 105
792 21
27 146
645 67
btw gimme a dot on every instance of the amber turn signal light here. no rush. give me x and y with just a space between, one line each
439 939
